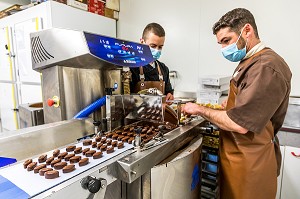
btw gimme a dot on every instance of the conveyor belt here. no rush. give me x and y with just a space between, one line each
21 177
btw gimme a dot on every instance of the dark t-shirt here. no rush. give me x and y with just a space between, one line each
264 86
151 74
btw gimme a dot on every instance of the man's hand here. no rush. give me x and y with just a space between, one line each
169 97
224 104
190 109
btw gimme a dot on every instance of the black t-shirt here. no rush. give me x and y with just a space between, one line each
151 74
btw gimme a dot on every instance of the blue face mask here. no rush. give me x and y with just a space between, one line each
155 53
232 53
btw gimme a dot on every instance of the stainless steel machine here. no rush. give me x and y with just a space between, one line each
79 68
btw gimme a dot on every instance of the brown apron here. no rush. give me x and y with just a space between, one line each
248 161
141 85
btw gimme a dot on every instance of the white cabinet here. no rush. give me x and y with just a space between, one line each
279 178
20 84
291 174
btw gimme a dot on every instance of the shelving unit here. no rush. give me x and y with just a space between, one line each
210 162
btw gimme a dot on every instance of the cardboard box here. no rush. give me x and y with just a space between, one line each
81 4
97 7
111 13
214 80
113 4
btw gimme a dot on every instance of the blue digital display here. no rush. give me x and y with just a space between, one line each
119 52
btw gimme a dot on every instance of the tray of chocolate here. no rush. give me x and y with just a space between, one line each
151 110
56 166
148 131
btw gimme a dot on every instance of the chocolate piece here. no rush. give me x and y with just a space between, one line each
108 142
26 163
114 143
97 155
144 130
31 166
70 148
125 139
147 139
42 158
153 111
56 152
54 162
49 160
149 110
130 134
148 116
103 148
69 168
149 132
153 117
94 144
83 162
99 145
109 135
62 155
87 142
90 153
85 150
78 150
119 132
120 145
120 137
143 116
75 159
126 128
103 140
67 157
97 139
37 168
131 129
143 136
115 136
125 133
60 165
51 174
157 112
130 140
158 118
44 170
110 150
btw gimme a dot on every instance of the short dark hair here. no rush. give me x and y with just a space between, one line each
155 28
235 20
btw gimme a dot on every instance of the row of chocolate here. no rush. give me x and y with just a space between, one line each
65 159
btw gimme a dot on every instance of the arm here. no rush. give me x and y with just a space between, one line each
218 117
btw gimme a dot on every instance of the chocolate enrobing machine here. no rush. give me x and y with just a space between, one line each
77 69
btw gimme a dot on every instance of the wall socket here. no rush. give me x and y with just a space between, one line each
173 74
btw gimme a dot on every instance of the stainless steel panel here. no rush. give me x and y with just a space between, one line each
175 178
31 141
129 168
111 77
63 47
120 106
81 88
76 89
134 189
51 86
31 114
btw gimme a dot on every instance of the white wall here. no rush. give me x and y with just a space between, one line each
190 46
7 3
